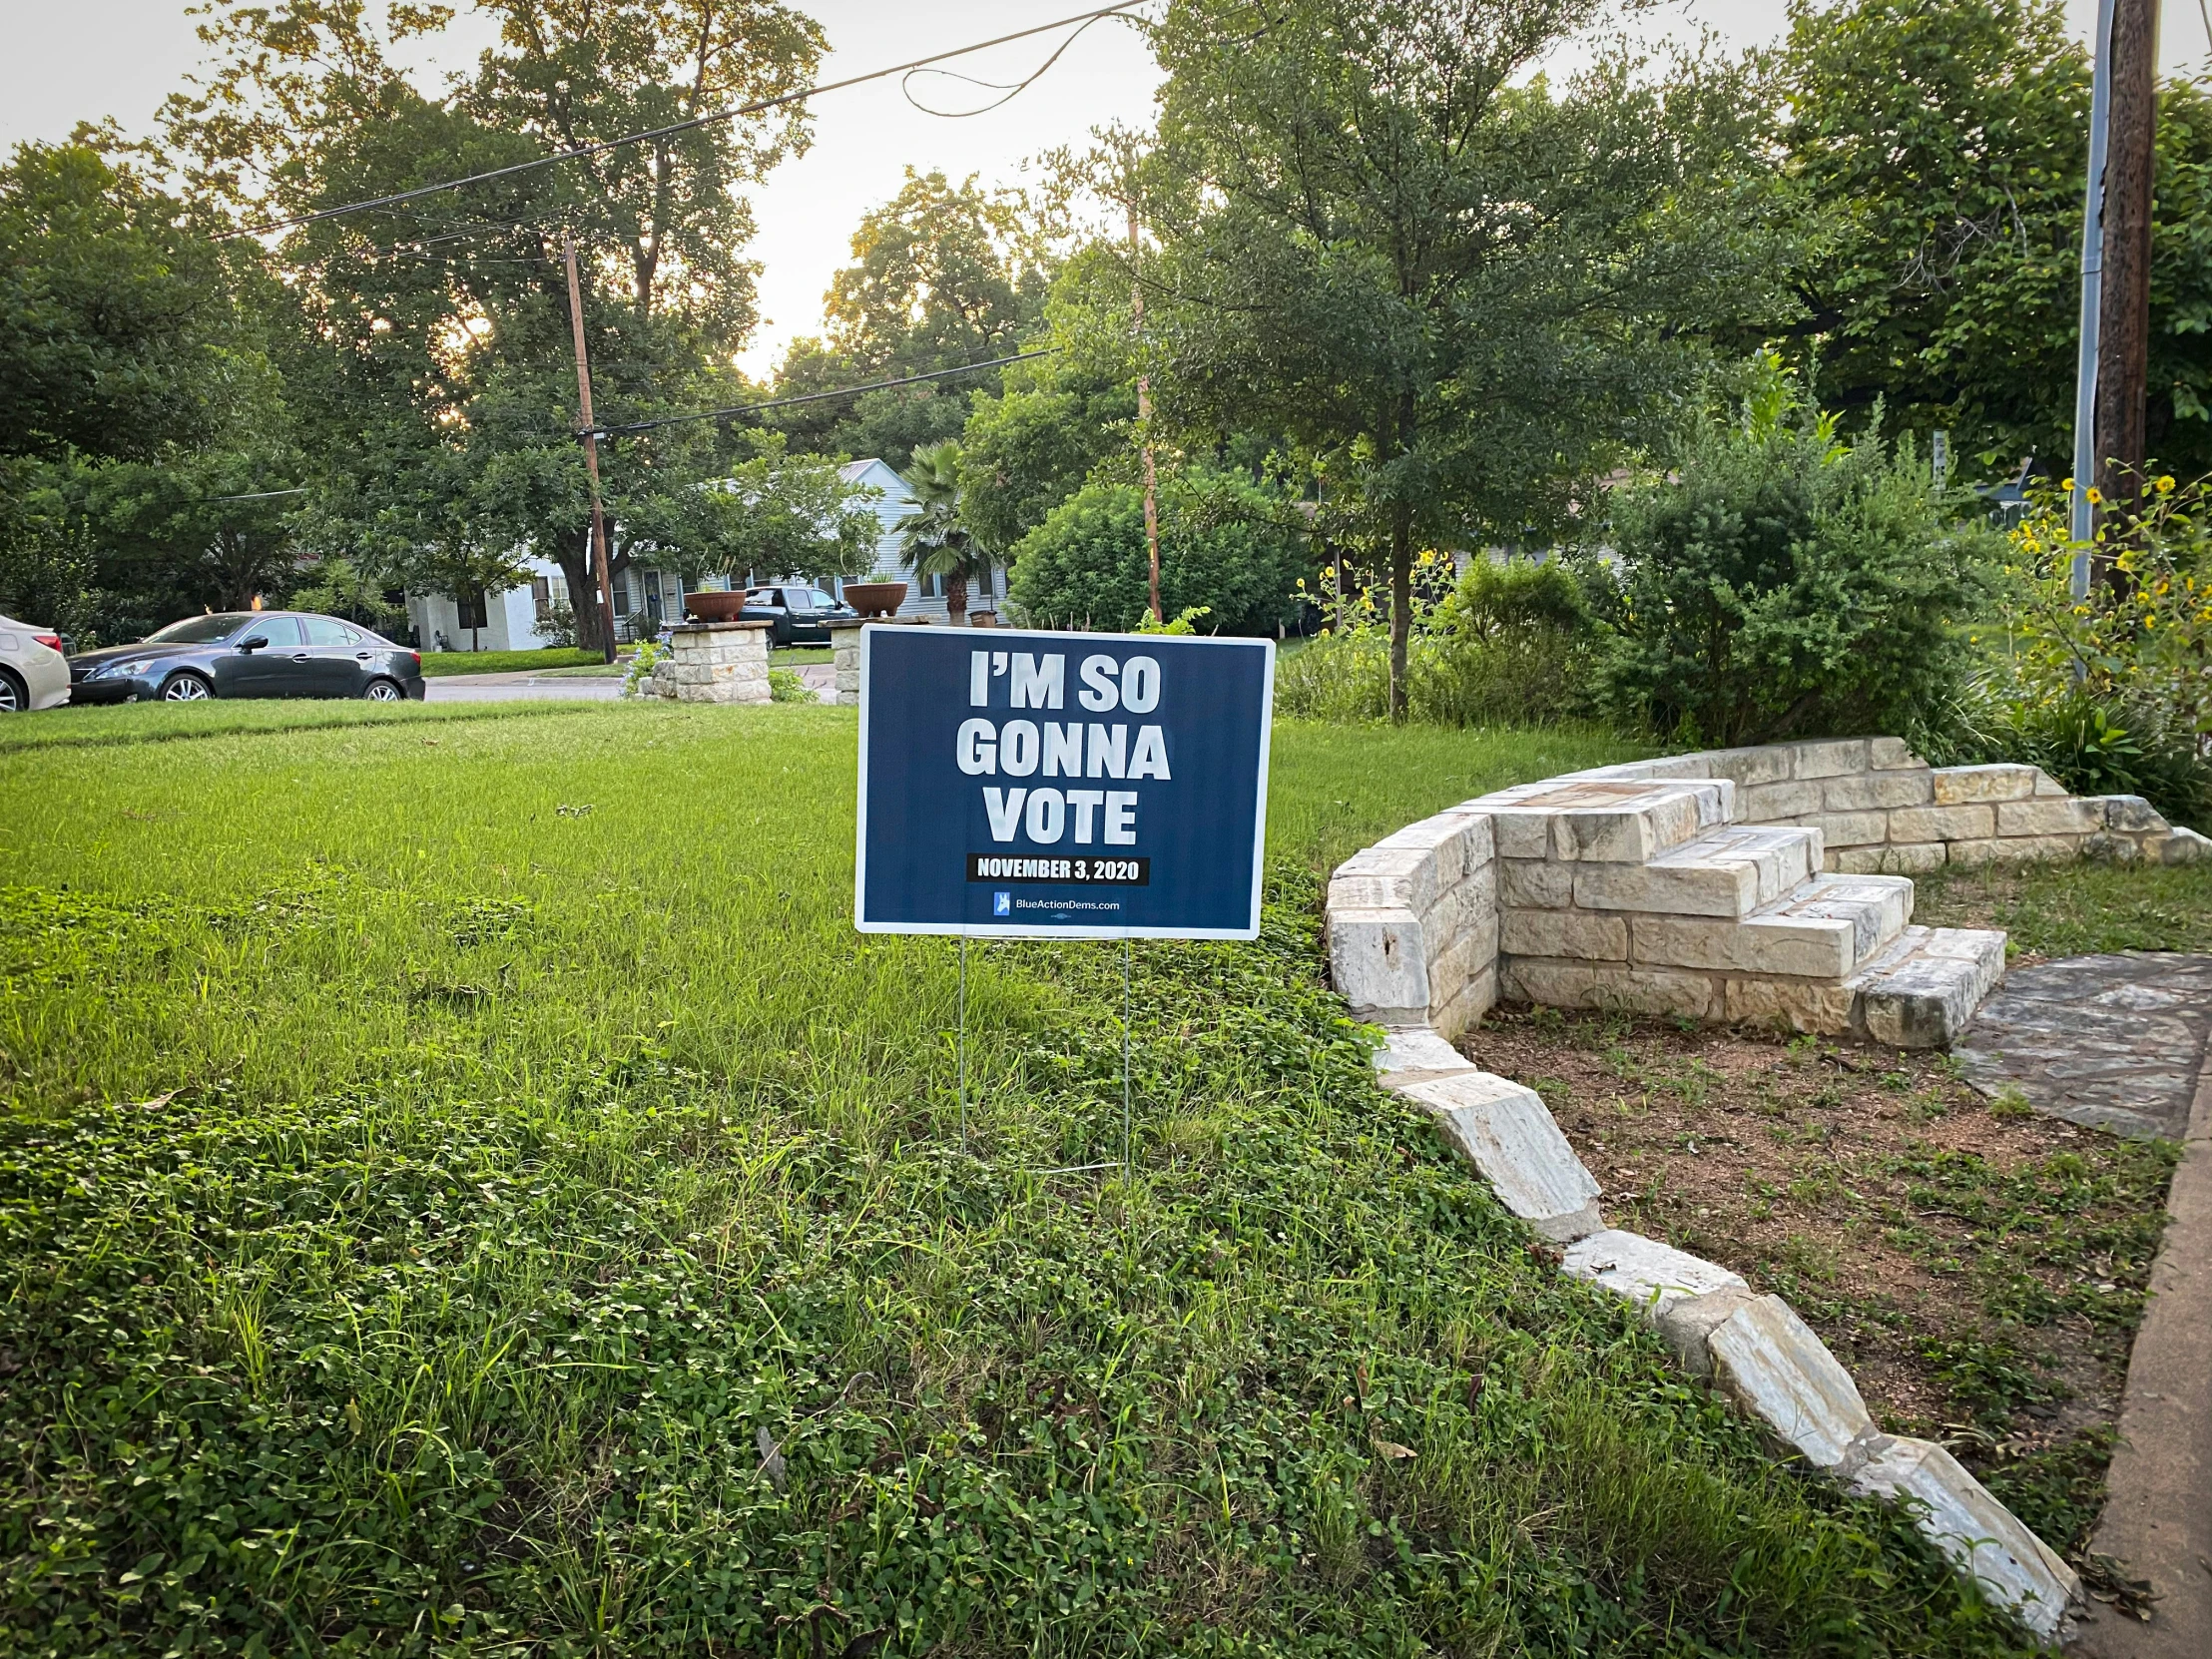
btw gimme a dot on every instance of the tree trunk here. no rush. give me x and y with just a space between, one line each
1401 602
2123 332
955 600
574 557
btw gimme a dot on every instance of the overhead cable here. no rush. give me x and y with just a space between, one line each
737 409
1011 89
668 131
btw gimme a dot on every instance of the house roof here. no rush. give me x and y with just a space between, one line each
870 470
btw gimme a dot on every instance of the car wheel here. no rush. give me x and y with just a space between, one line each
383 691
186 686
14 698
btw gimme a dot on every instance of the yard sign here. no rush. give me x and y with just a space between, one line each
1085 786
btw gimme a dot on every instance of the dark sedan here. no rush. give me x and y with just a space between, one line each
249 654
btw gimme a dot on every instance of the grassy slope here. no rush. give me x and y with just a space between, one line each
555 1236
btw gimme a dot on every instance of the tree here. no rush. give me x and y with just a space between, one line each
941 276
773 512
1937 153
442 326
111 310
1028 449
933 539
1375 238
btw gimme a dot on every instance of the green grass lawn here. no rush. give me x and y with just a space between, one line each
2076 909
465 1186
437 663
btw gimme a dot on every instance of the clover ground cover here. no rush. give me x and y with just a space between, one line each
463 1187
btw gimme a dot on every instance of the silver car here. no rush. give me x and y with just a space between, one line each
33 672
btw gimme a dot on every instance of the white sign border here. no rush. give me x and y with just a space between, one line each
1012 931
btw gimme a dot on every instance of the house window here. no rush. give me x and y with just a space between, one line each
471 610
541 596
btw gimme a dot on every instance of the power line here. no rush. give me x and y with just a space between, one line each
1012 90
819 396
697 122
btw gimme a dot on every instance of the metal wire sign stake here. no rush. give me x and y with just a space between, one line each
1026 784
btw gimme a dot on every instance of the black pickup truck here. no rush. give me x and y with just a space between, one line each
795 615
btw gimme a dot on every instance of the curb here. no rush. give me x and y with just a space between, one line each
1753 1348
2157 1519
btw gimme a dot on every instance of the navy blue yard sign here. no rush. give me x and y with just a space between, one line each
1101 786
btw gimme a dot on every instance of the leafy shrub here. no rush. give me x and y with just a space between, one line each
1782 582
1224 544
2110 695
785 686
1511 642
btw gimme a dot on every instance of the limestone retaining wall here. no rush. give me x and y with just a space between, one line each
1763 885
1881 807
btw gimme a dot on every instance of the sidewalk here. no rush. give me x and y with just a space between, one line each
2158 1494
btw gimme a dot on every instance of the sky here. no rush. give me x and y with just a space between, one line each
93 59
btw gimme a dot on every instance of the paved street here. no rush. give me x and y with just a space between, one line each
818 678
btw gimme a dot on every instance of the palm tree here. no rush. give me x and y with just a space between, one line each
933 540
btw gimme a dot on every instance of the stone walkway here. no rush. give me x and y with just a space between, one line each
2112 1042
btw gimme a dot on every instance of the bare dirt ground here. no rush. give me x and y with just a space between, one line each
1979 1269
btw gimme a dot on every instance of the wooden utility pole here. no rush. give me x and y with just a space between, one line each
591 453
1144 424
2123 323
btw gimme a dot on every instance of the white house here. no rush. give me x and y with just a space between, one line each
925 595
521 617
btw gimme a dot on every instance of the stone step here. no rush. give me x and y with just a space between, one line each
1921 992
1728 871
1604 821
1823 928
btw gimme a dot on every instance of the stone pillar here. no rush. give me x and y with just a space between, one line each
844 661
714 662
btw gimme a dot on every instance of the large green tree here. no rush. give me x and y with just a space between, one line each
432 344
941 274
1937 151
1380 236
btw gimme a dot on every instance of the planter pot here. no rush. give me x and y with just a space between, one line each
875 599
714 607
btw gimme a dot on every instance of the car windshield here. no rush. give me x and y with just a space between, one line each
200 630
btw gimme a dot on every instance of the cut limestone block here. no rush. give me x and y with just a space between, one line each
1799 1004
2130 811
1503 1130
1459 840
1620 821
1591 935
2064 816
1957 784
1768 1361
1724 873
1378 964
1981 1536
1652 1276
2177 846
1376 877
1417 1054
1822 931
1921 992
